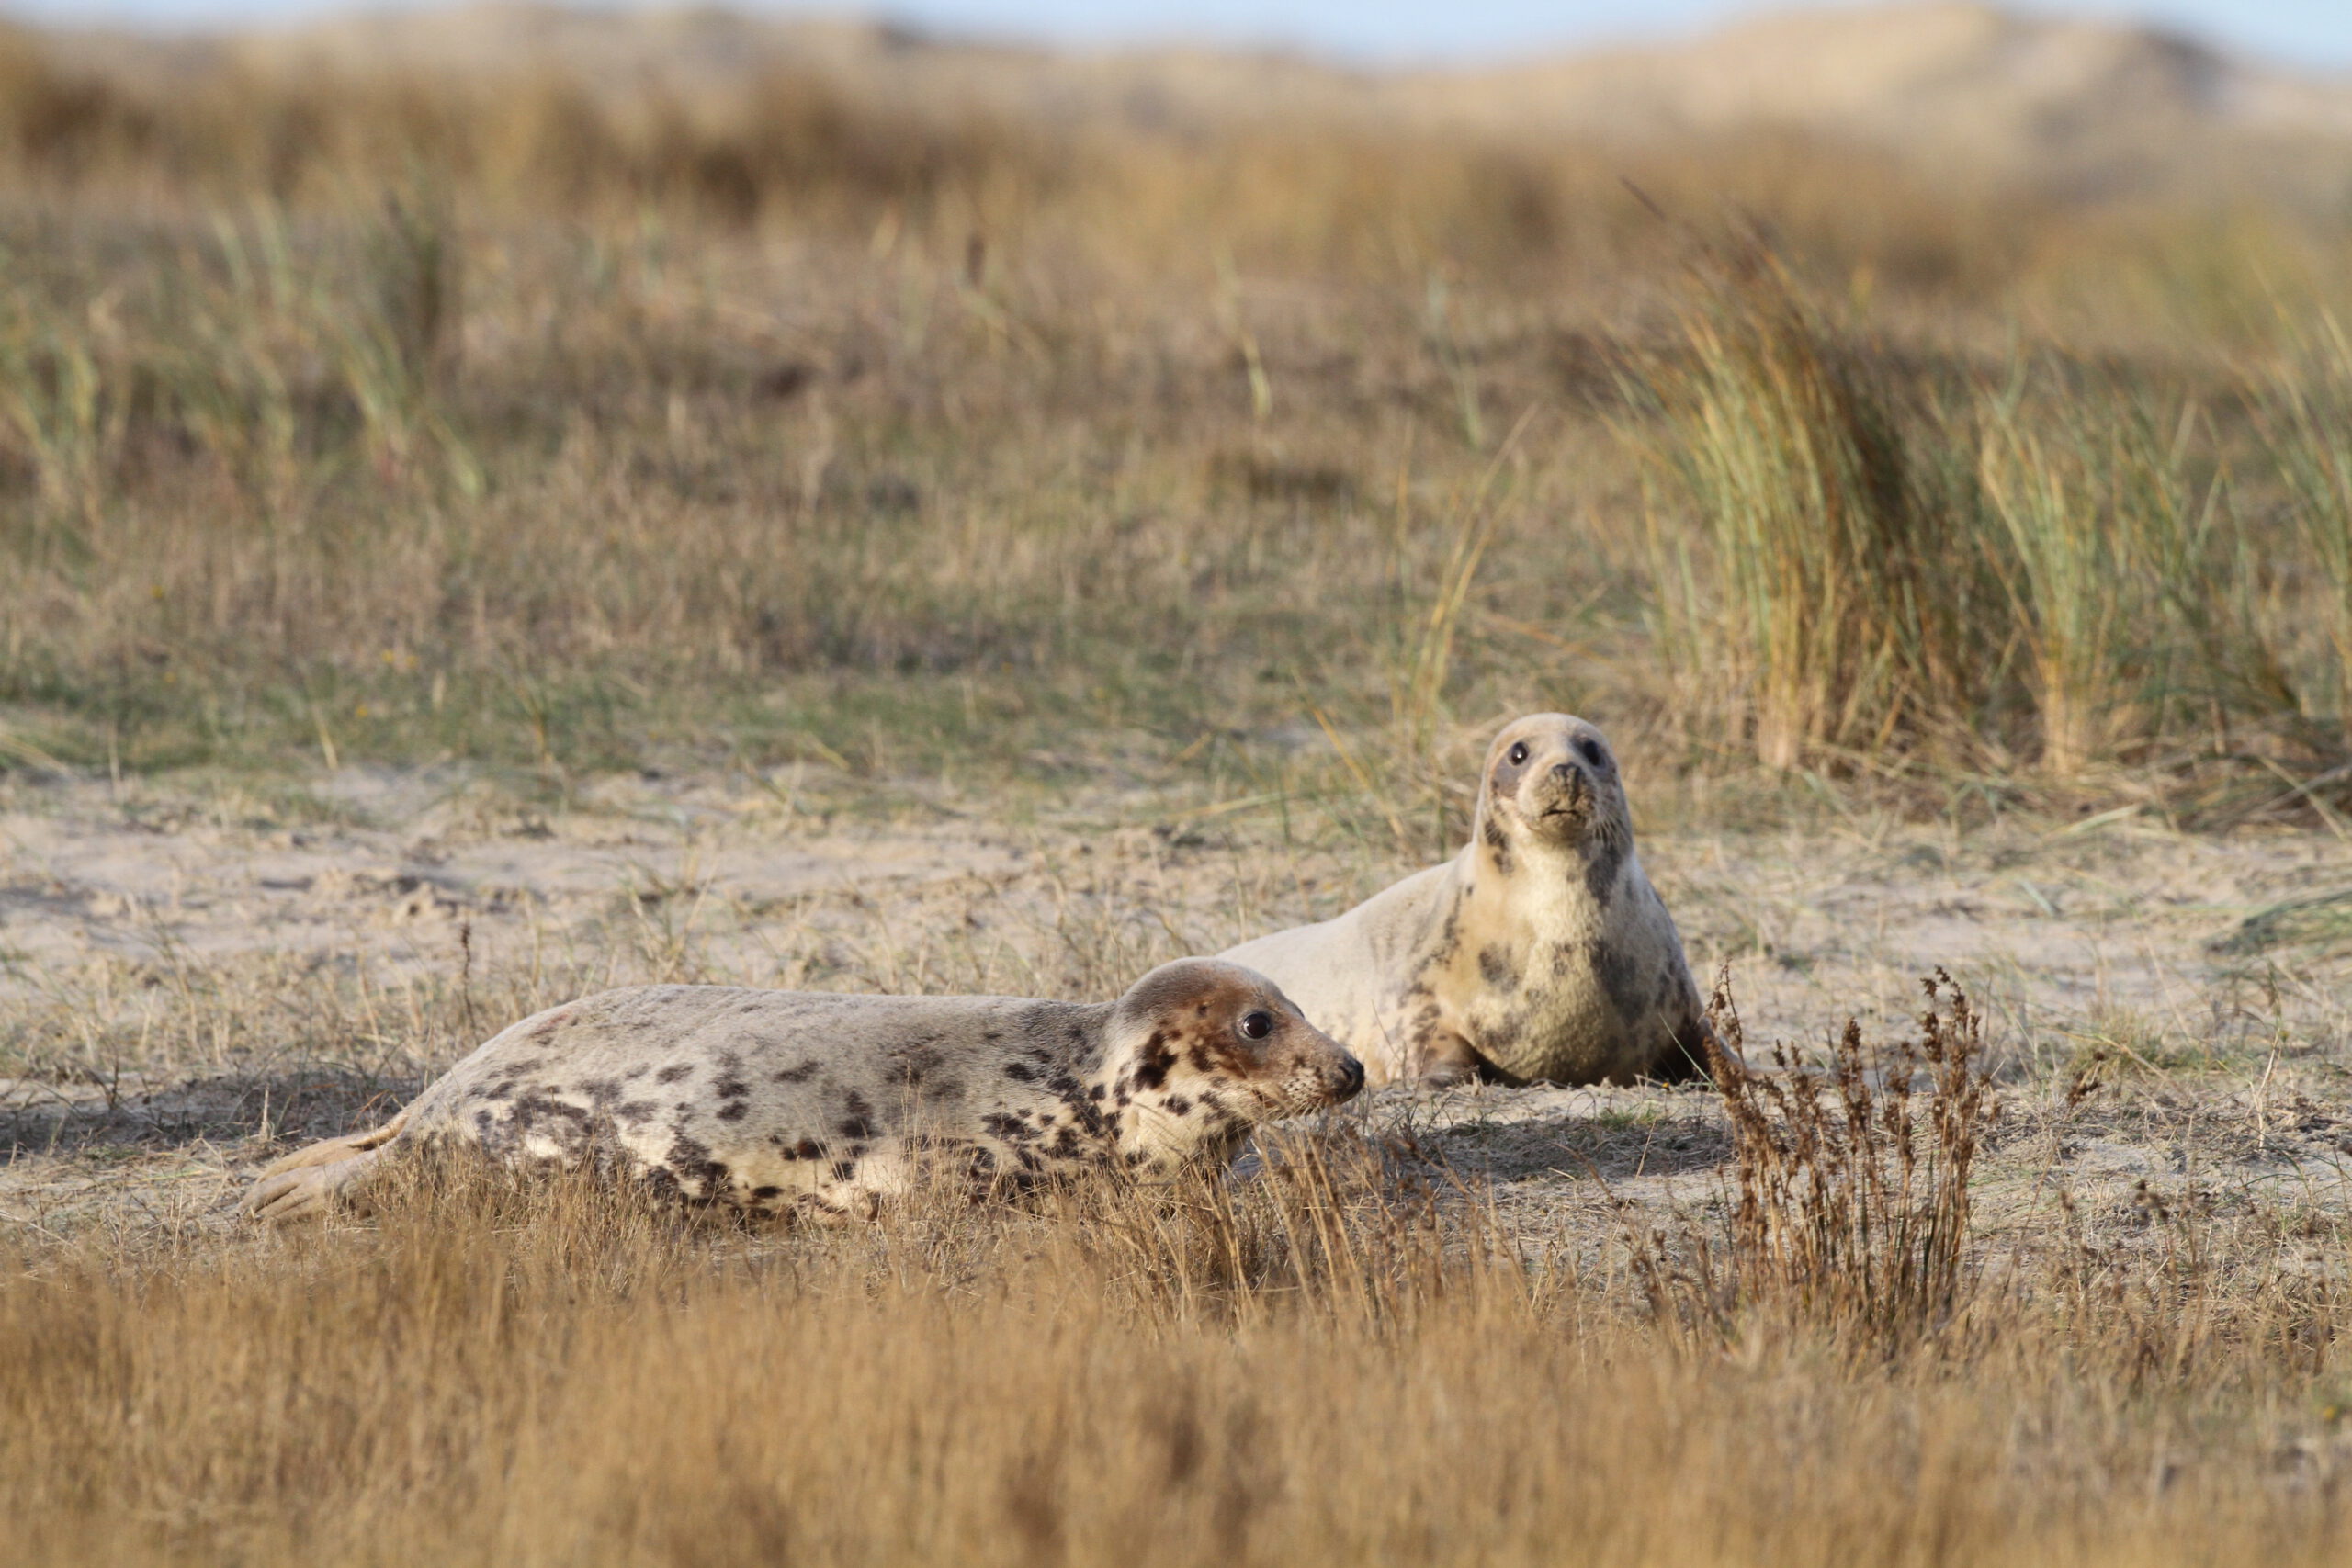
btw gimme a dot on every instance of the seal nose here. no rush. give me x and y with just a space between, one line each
1351 1077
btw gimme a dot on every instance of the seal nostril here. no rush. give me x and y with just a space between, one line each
1563 772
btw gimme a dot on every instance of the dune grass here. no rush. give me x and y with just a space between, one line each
388 419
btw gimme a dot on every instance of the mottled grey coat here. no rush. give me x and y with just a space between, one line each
809 1102
1540 952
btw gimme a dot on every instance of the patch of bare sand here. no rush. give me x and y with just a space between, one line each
2221 1081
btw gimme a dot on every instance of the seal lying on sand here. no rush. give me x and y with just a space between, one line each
808 1103
1539 952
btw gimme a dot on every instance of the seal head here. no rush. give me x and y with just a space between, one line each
1203 1050
1553 786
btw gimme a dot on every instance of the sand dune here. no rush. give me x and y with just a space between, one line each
1958 84
2074 108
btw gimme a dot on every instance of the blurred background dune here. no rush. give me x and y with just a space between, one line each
2090 109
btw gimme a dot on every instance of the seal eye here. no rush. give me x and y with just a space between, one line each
1592 751
1256 1025
1518 753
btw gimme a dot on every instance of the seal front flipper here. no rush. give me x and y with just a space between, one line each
1442 1057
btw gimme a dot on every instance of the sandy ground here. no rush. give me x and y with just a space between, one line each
2090 948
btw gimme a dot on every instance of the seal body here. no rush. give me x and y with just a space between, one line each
825 1104
1540 952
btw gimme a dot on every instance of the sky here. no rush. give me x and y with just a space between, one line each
2312 33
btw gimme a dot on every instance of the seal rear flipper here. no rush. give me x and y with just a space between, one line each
327 1151
308 1192
304 1183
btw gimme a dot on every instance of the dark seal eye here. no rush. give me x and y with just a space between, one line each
1592 751
1256 1025
1518 753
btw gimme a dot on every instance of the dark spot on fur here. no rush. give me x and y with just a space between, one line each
734 1109
1177 1105
1604 855
693 1164
733 1089
1496 1037
662 1183
843 1170
1621 977
800 1074
673 1072
765 1193
1012 1128
915 1062
1491 831
1153 1061
858 1119
1494 968
1021 1072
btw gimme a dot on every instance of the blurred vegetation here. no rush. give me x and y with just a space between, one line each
380 416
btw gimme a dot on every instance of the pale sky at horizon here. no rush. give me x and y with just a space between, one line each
2314 34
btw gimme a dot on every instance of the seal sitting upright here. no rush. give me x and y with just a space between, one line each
824 1105
1540 952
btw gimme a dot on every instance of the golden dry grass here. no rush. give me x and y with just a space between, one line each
1339 1362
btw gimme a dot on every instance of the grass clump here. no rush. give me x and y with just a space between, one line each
1832 615
1865 563
1849 1213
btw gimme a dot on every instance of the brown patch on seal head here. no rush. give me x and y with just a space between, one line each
1217 1048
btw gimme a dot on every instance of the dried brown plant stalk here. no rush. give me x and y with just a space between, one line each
1850 1204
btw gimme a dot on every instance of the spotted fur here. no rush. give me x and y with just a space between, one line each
1540 952
825 1105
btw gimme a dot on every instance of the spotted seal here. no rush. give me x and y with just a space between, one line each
1540 952
824 1105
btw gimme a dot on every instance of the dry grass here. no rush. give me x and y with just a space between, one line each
1851 1217
1333 1362
337 422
